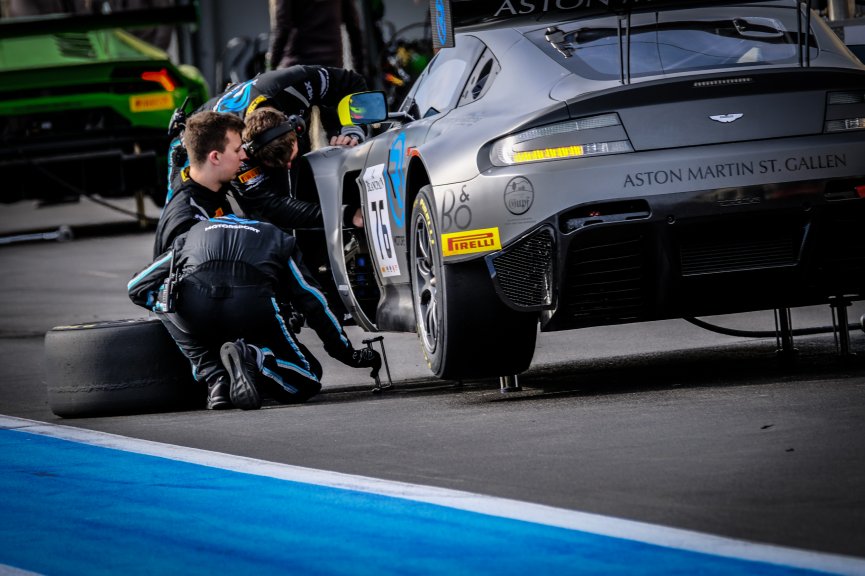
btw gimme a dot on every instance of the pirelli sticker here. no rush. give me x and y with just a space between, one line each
254 104
471 242
150 102
249 175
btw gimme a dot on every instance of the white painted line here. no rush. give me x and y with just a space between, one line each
12 571
489 505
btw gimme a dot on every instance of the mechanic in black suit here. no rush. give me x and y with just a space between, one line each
219 292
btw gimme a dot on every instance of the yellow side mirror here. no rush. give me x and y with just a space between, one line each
362 108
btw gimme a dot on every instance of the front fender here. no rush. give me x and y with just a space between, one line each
328 167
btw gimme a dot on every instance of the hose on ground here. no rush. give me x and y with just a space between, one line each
769 333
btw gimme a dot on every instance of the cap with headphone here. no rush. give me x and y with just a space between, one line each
293 124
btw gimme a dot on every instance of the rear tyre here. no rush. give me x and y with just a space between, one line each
465 331
117 367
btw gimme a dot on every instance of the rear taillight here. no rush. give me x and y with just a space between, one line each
161 77
845 111
593 136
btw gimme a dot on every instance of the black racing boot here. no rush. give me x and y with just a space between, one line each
240 362
218 394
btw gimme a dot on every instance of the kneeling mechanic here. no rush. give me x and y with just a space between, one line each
221 292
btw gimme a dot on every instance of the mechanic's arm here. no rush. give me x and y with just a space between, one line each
306 295
340 83
332 85
144 287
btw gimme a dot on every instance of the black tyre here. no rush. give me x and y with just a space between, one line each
117 367
465 330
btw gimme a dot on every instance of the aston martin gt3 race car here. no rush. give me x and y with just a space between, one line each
562 165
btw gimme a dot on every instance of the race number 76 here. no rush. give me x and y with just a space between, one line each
378 220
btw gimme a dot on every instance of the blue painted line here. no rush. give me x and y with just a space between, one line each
69 507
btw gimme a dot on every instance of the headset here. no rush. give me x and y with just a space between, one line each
293 124
178 120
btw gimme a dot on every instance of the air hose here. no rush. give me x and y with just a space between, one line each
769 333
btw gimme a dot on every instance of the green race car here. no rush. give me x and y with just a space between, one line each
85 105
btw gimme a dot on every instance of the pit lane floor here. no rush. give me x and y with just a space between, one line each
477 443
84 502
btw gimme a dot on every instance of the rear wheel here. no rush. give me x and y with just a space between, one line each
465 330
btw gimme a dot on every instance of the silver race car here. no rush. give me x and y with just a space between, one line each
566 164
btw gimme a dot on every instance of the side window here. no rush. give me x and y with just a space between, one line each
480 79
439 87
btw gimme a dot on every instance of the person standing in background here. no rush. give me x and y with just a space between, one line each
310 32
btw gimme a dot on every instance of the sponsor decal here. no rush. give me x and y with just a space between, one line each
441 22
471 242
255 104
148 102
396 180
232 227
378 222
249 175
219 213
519 195
520 7
456 212
236 99
720 171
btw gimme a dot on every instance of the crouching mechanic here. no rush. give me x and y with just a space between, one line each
219 292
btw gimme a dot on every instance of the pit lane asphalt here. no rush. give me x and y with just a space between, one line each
622 379
51 283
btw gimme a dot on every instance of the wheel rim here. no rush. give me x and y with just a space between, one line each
425 289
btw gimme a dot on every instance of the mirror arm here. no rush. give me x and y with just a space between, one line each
403 117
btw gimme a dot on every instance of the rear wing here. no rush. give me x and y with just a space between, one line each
64 23
448 15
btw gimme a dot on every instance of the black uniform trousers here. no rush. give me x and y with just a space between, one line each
210 312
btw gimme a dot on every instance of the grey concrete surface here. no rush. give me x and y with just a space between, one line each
84 280
660 422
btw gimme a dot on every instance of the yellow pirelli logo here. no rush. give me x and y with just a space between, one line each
150 102
254 104
249 175
471 242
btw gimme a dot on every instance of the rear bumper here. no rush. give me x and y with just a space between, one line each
676 255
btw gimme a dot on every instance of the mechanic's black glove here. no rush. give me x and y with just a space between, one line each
296 321
366 358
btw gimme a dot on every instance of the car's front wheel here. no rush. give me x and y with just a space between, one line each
464 329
